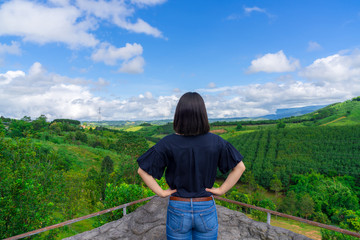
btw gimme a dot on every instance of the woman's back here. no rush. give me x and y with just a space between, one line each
191 158
191 162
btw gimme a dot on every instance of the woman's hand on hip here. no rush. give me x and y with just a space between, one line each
215 191
167 192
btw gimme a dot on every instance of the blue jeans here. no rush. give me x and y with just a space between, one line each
191 220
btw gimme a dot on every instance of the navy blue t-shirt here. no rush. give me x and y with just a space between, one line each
191 162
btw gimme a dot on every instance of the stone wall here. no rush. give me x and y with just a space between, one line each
148 222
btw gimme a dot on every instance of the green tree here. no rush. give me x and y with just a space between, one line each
289 203
40 123
239 127
30 188
107 165
306 206
276 184
121 194
281 125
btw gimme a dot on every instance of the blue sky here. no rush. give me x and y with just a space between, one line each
135 58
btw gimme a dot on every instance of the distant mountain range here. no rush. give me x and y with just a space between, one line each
289 112
280 113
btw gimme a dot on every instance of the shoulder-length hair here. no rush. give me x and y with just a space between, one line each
190 115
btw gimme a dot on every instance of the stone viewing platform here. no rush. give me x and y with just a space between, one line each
148 222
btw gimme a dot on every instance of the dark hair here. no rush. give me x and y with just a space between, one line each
190 115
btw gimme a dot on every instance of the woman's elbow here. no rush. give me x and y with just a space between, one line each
242 166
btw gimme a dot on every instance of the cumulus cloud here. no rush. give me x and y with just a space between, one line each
110 54
250 10
338 68
69 22
148 2
134 66
14 48
117 12
37 92
139 27
42 24
274 62
60 2
254 9
327 80
262 99
7 77
313 46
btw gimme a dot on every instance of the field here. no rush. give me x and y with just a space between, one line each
306 166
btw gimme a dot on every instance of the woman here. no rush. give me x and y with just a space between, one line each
191 157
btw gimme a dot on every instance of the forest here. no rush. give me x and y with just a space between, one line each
306 166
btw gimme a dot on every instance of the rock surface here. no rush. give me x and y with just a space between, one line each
148 222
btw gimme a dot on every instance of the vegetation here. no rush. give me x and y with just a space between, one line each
306 166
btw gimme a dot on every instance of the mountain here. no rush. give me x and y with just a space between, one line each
289 112
337 114
348 110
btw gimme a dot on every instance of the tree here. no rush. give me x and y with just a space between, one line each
275 184
289 203
107 165
30 188
239 127
40 123
306 205
249 179
280 125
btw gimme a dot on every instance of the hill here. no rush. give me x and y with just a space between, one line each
51 172
347 112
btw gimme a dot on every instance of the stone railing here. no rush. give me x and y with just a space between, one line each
123 206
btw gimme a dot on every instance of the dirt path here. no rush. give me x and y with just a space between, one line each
334 121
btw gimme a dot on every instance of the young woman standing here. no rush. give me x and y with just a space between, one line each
191 157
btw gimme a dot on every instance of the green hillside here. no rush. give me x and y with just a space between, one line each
55 171
337 114
330 150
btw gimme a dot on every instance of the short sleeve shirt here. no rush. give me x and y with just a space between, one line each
191 162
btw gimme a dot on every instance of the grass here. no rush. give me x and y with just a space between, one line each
297 227
133 129
76 228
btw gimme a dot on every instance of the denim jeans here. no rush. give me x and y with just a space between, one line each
191 220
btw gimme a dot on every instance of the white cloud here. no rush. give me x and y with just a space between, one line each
147 2
140 27
262 99
250 10
41 24
337 68
274 62
134 66
60 2
36 69
314 46
7 77
108 10
14 48
110 54
254 9
62 97
39 92
69 22
117 12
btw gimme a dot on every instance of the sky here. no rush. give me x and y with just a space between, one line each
133 59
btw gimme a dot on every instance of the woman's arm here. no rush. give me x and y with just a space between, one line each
153 185
230 181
